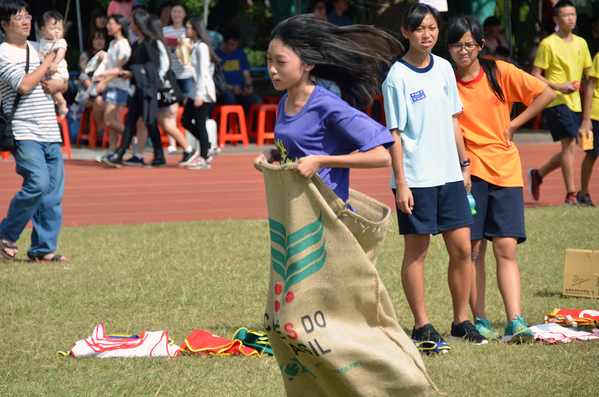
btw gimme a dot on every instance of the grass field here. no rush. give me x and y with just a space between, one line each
214 276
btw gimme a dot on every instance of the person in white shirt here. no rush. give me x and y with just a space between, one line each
38 156
203 92
115 90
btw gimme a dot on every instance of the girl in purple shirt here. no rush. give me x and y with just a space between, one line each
316 130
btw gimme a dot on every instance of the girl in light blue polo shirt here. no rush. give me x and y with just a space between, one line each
430 171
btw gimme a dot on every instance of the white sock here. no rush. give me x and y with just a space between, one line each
189 149
139 156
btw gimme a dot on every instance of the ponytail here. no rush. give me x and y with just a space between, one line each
492 71
349 56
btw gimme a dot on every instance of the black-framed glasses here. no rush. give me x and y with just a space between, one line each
457 47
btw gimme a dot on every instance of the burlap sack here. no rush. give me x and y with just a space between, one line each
328 316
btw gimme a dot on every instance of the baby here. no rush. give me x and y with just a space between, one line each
52 23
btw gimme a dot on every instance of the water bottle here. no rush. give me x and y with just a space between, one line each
471 202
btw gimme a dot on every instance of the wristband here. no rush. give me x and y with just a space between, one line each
465 163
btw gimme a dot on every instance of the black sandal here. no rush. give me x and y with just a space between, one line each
40 258
6 245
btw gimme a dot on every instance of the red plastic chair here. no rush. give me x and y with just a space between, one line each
264 127
66 138
271 99
91 136
228 117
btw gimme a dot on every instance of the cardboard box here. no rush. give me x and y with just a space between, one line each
581 273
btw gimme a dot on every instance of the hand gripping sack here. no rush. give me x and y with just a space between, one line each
328 316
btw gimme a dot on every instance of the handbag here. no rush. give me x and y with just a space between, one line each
170 92
219 79
7 138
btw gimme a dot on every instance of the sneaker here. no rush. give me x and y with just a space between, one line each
214 150
571 200
483 326
135 161
517 331
534 184
189 157
199 164
584 200
114 161
171 149
156 163
465 331
427 333
99 158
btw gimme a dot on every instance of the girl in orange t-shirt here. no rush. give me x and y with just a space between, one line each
487 90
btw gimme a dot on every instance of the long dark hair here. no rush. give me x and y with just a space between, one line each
121 20
157 25
457 28
198 25
144 24
349 56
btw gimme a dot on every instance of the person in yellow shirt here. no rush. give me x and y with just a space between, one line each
590 122
488 89
561 60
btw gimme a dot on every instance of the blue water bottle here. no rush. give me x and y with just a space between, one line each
471 202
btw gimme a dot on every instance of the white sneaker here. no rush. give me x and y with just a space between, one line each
214 150
199 164
100 158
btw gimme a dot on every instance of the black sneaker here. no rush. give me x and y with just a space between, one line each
156 163
467 332
584 200
189 157
135 161
427 333
114 161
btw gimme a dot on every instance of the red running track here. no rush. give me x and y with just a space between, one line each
232 189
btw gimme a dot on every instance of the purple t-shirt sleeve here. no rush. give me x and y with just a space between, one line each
327 125
357 131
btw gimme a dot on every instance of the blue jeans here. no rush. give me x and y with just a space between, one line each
185 86
40 199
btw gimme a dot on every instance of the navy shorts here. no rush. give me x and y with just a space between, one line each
436 209
595 150
562 122
499 211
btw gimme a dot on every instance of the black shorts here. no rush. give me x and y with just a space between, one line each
562 122
436 209
499 211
